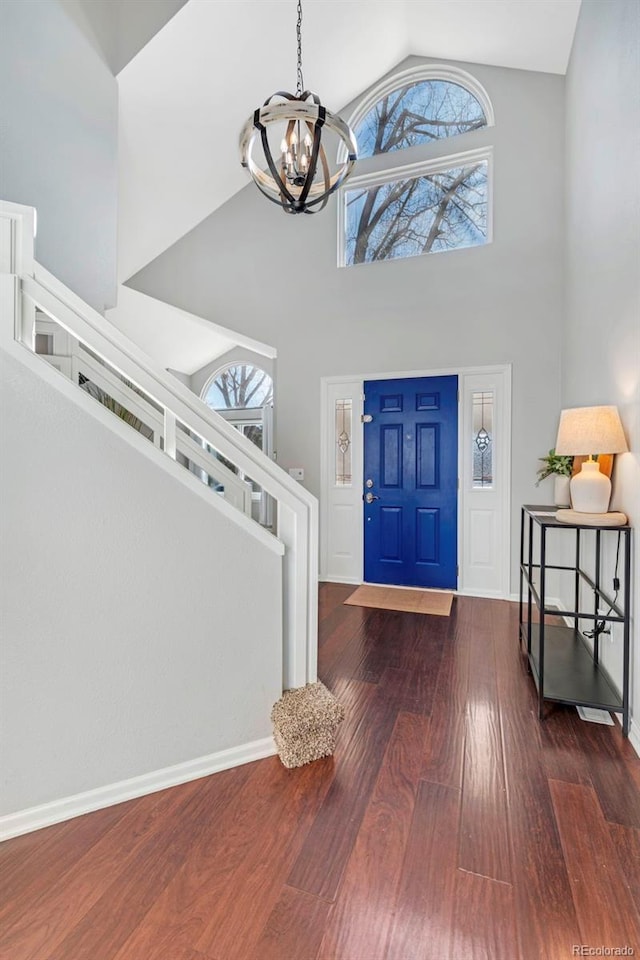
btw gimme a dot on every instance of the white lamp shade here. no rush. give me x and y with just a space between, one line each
584 431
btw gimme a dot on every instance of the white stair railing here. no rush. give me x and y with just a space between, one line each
106 386
27 288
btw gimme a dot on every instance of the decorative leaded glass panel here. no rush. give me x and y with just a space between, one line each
482 439
343 433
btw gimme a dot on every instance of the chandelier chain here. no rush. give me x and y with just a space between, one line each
300 86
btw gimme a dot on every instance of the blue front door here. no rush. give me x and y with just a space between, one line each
411 481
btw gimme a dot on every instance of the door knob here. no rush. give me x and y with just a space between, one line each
370 497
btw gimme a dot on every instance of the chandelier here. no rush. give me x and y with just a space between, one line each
299 177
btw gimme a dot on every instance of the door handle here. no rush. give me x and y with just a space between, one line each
370 497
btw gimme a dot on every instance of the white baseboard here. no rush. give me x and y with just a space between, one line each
634 732
485 595
46 814
480 594
327 579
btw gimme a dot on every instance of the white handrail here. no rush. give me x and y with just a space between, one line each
108 342
297 509
236 491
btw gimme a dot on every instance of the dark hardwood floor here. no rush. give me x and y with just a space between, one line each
450 824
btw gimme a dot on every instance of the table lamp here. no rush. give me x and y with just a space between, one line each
585 431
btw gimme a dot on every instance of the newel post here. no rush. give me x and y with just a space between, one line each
300 587
17 236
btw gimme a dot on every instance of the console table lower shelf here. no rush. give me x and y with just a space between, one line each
571 676
563 648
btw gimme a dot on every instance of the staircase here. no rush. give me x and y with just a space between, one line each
74 351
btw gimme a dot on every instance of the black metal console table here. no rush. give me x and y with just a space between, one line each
563 666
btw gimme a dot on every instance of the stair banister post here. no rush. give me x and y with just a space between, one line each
294 599
169 434
17 238
10 304
297 529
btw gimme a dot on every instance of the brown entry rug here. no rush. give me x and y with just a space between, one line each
399 598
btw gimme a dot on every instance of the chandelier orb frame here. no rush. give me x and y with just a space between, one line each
301 180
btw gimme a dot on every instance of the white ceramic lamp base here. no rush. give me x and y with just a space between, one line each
590 489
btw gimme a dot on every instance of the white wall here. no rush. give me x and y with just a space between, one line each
179 126
275 278
98 21
138 22
118 29
58 117
140 627
601 345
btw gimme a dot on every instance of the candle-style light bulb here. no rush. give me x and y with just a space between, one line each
290 166
284 146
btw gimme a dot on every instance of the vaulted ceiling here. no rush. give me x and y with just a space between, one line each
185 96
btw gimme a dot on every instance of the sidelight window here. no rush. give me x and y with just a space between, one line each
343 432
482 439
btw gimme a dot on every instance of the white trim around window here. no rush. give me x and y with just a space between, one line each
410 171
413 75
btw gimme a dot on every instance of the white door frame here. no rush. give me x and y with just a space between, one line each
498 375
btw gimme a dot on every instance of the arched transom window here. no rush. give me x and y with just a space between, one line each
242 393
432 204
238 387
418 112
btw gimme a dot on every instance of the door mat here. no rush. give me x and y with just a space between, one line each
398 598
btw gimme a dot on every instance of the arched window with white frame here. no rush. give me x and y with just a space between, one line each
432 204
242 393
